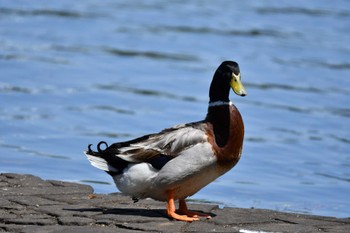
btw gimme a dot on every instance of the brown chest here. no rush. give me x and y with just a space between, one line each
228 153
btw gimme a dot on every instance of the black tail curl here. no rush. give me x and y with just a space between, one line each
109 155
98 147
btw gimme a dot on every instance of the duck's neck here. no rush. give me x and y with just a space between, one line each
219 89
219 116
219 108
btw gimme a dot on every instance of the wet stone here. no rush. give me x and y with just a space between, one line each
75 221
30 204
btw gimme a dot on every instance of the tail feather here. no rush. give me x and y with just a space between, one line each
106 159
98 162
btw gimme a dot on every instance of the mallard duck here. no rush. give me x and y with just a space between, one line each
179 161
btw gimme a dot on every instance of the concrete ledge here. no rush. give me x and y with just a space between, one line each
30 204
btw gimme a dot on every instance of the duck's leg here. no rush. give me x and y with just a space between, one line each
184 210
171 209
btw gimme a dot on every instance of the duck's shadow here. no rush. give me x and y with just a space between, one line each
123 211
151 213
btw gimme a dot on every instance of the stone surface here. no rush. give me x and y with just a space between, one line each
30 204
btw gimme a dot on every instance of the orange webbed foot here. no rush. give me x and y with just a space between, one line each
184 210
171 210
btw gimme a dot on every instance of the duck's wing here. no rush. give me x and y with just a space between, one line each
168 143
156 149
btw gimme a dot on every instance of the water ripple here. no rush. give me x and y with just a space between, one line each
23 57
255 32
100 108
312 62
145 92
340 139
303 11
256 139
46 12
24 114
15 89
149 54
66 48
107 135
8 89
113 109
95 182
285 87
284 130
333 177
343 112
33 152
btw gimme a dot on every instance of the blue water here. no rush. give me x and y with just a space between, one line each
77 72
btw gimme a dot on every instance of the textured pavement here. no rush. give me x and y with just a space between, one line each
30 204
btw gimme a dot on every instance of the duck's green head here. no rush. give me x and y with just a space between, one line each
227 75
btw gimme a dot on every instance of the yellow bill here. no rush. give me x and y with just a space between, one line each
237 85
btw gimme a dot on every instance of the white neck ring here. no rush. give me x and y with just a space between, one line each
219 103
